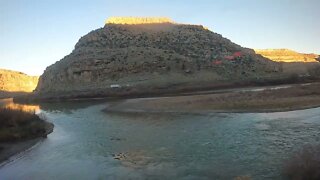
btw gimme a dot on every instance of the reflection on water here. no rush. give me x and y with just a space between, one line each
8 103
68 107
90 144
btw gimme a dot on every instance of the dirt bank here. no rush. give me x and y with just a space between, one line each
20 130
10 149
269 99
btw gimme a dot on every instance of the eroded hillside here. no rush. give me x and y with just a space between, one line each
13 81
144 58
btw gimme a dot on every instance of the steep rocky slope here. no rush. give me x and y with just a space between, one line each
286 55
13 81
146 57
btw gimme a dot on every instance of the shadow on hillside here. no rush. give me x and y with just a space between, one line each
7 94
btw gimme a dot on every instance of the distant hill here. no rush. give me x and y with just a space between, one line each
149 55
286 55
13 82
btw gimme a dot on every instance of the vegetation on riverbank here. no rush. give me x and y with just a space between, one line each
18 125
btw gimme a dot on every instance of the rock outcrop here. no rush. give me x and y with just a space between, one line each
138 20
13 81
286 55
140 58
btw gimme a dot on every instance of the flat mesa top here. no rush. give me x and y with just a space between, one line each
138 20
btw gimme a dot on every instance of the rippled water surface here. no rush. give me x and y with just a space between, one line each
90 144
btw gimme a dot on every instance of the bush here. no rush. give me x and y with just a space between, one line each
304 164
18 125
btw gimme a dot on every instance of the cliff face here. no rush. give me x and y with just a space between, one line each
286 55
141 58
13 81
138 20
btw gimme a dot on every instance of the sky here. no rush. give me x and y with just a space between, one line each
36 33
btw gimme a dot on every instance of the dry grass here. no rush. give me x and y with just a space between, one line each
16 125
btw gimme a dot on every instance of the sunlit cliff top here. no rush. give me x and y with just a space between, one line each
14 81
287 55
138 20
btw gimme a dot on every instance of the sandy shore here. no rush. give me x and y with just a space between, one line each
8 150
268 99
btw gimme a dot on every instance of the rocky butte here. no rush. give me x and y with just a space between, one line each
13 81
140 56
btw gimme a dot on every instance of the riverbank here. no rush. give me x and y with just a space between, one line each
20 130
86 142
154 88
10 149
268 99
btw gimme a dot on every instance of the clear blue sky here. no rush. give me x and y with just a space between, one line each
36 33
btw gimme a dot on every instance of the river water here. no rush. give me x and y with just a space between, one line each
88 143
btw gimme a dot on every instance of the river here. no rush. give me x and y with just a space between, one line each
88 143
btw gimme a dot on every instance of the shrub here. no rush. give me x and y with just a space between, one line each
17 125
